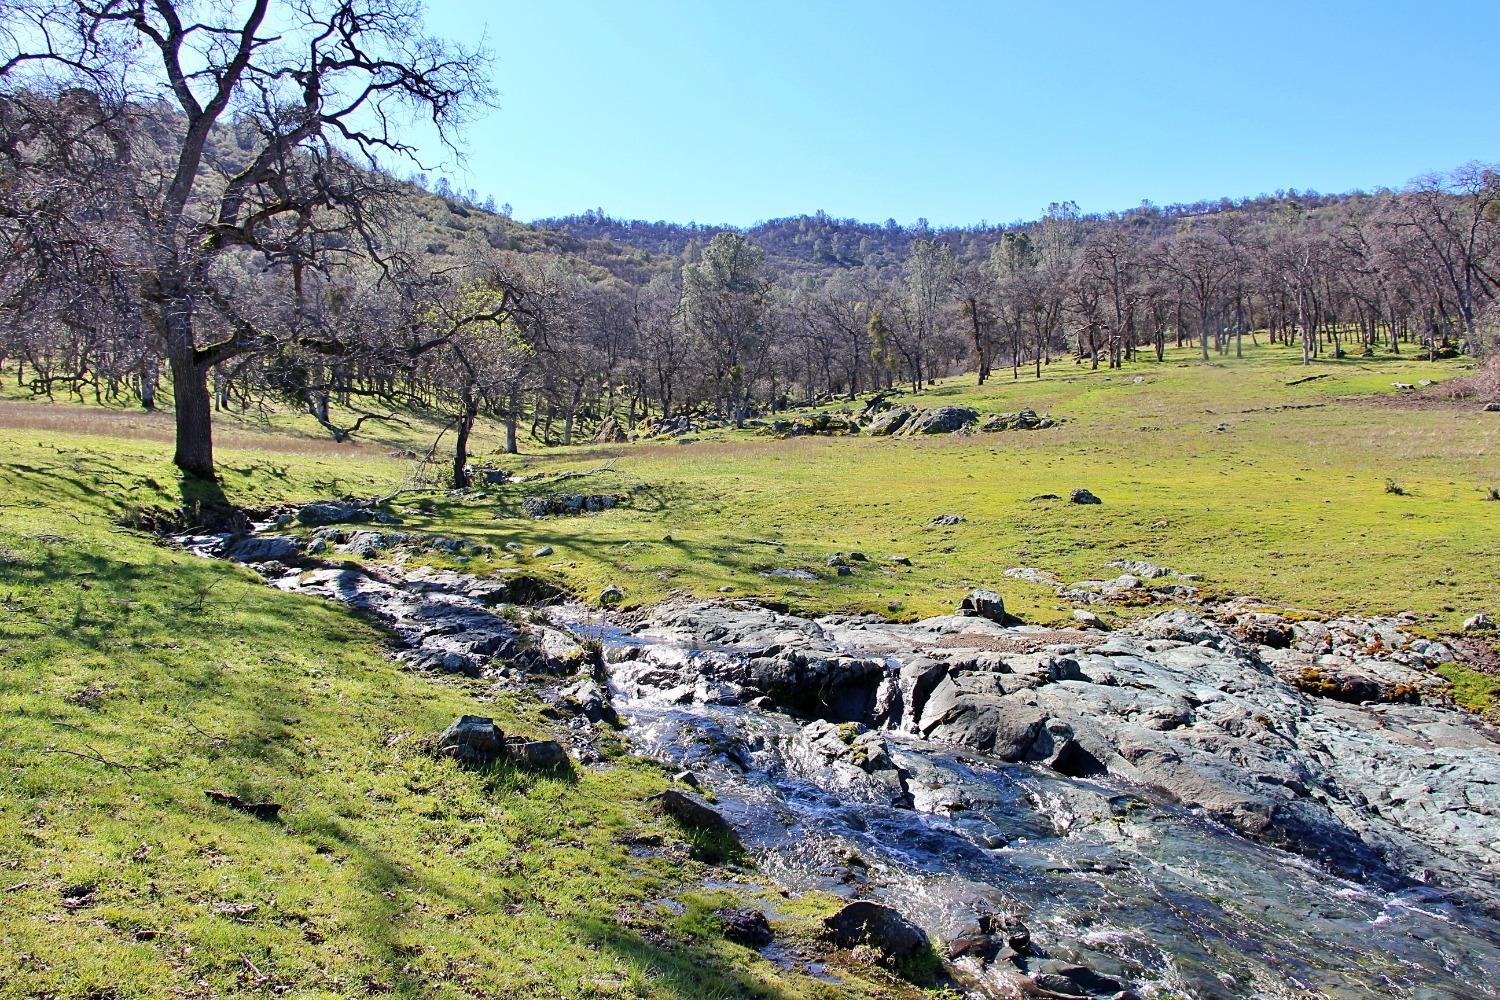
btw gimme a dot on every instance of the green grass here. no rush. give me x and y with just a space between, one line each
1289 502
1477 691
134 678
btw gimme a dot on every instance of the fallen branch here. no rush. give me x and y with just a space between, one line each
561 476
1307 378
93 755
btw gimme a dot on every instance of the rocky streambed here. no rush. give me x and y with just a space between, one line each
1213 805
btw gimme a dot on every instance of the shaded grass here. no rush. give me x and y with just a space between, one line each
133 678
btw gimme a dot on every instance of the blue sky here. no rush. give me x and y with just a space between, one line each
714 111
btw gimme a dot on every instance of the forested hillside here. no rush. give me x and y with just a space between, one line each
233 255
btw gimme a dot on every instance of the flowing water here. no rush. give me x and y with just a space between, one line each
1103 875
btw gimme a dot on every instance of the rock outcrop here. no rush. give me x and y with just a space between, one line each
1177 704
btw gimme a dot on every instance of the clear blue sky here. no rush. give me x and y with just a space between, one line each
721 111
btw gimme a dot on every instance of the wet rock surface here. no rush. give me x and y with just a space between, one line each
1163 806
874 925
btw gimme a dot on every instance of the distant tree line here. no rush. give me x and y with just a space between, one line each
228 231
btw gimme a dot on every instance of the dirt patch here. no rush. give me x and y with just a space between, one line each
1477 655
63 418
1431 398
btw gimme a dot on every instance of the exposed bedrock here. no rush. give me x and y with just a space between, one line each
1176 704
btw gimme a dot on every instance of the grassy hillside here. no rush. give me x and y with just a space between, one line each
134 678
1289 501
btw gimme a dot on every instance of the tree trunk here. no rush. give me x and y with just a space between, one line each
512 417
461 448
194 410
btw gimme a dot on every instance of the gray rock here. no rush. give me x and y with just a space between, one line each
1068 980
443 629
336 512
368 544
874 925
946 520
264 548
942 420
1479 623
693 812
746 926
567 504
590 699
1142 569
852 758
472 739
541 552
1176 705
889 421
1089 619
539 755
1083 496
611 595
985 604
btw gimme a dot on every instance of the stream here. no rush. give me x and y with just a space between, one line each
1161 808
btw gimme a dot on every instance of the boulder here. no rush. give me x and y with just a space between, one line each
472 739
873 925
264 548
823 424
611 595
368 544
567 504
1062 979
989 936
589 699
1479 623
539 755
541 552
746 926
610 432
852 757
1264 629
1083 496
942 420
947 520
1026 420
1089 619
693 812
985 604
890 421
330 512
1143 569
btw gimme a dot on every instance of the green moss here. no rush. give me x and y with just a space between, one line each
1475 691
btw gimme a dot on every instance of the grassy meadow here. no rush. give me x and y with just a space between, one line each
133 677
